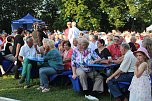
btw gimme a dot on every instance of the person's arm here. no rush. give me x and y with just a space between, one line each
11 48
74 72
114 75
17 49
20 58
140 69
66 60
119 60
95 57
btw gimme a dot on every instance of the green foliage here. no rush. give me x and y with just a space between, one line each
100 15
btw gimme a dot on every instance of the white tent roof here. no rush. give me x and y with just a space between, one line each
149 28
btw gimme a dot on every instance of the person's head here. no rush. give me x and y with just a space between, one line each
110 38
116 39
80 34
147 43
75 42
47 43
133 39
20 31
142 54
29 41
124 48
100 43
83 44
67 45
73 24
69 24
4 36
9 39
121 40
93 37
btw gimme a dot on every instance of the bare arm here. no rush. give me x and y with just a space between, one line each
20 58
66 60
10 48
114 75
140 69
74 72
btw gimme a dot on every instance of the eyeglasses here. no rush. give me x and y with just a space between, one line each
116 39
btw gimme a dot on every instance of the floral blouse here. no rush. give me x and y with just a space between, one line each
79 59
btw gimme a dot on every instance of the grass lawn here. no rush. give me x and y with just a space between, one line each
9 88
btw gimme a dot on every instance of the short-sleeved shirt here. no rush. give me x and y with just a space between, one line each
128 63
18 39
67 54
114 50
104 54
85 57
27 52
7 50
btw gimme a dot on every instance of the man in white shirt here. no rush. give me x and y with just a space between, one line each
93 42
27 51
73 33
123 74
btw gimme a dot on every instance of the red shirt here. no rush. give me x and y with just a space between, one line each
66 32
137 45
114 49
65 55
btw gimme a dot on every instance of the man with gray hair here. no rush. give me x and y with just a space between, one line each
123 74
27 51
73 33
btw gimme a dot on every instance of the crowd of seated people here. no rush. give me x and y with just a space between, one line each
61 53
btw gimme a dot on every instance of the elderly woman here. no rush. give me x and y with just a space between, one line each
67 54
52 64
83 55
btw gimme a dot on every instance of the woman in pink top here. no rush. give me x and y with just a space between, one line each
67 54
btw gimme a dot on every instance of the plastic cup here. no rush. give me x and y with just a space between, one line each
38 56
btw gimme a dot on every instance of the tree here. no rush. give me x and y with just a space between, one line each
79 11
14 9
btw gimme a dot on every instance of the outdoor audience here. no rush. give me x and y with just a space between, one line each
74 50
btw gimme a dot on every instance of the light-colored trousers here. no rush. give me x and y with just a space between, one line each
97 78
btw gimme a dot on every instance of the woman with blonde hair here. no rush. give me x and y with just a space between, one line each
52 63
83 55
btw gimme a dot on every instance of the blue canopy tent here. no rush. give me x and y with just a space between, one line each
25 22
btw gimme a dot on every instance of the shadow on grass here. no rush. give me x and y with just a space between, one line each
9 88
